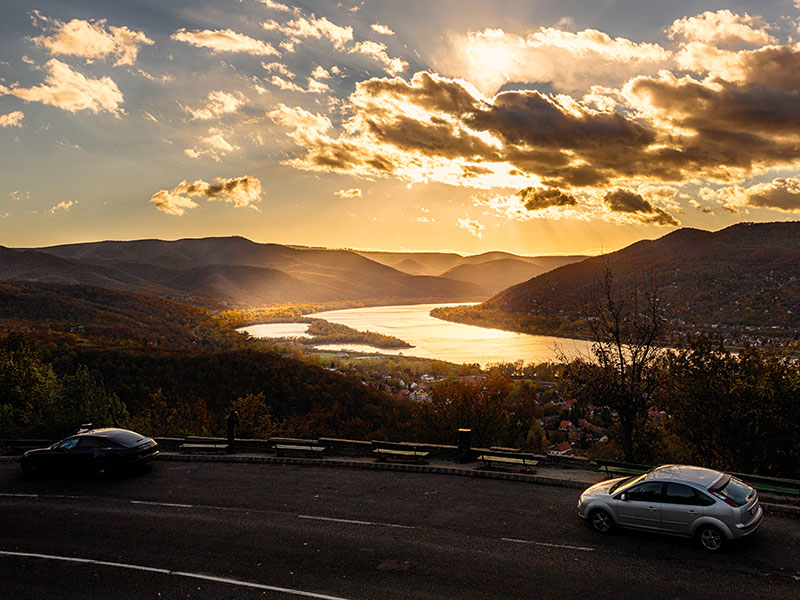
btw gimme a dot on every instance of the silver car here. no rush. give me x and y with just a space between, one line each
681 500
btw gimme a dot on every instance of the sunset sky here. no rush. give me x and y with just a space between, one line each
537 127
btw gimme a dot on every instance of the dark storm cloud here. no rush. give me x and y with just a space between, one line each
624 201
536 199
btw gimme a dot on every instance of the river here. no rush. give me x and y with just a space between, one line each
434 338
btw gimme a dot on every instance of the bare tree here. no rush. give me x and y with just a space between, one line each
627 330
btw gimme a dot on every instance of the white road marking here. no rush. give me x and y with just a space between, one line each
548 545
354 522
228 580
44 496
171 504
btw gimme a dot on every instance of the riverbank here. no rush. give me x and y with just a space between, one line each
551 325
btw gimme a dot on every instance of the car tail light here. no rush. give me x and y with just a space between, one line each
724 498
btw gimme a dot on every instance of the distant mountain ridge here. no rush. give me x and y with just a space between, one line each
747 275
229 271
499 274
439 263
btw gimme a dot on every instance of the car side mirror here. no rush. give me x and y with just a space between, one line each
623 496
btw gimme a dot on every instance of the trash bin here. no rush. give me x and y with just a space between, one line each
464 445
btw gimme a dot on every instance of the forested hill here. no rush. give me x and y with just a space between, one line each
499 274
174 368
215 272
747 275
99 316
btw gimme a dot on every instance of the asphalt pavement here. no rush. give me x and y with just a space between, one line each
228 530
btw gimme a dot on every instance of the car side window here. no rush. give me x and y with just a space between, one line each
88 441
645 492
680 494
68 444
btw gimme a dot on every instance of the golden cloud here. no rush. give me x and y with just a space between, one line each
242 192
214 146
781 194
225 40
472 226
572 60
12 119
351 193
312 27
279 68
63 206
381 29
69 90
722 27
314 86
219 103
622 154
93 40
271 4
376 50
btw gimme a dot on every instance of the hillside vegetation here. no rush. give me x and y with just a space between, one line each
741 281
72 354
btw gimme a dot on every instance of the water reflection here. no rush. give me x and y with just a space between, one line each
434 338
278 330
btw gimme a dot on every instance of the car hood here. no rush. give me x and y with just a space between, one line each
602 488
36 451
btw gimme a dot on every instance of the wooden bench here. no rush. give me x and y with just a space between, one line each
284 446
198 445
399 451
507 458
771 485
613 467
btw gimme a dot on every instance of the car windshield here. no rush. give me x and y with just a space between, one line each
736 491
627 481
66 444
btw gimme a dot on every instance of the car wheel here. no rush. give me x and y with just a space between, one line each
600 521
711 539
101 468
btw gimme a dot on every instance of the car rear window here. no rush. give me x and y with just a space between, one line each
127 438
736 491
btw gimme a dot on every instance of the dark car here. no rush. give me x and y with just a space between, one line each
98 451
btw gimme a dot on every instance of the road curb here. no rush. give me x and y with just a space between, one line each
382 466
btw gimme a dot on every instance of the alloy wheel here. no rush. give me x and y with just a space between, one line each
601 521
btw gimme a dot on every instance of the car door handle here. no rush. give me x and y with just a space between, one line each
691 512
652 508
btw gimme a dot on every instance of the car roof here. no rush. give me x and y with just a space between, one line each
109 432
685 473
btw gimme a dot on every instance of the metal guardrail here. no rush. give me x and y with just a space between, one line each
762 483
342 447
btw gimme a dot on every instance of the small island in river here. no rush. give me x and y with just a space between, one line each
324 332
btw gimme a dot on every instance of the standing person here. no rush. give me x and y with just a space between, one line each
231 421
